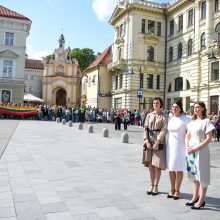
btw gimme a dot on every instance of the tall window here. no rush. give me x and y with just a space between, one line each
7 68
121 81
150 54
158 28
151 25
217 30
168 104
189 51
30 90
203 10
190 17
169 88
187 85
141 80
180 22
116 82
180 50
143 26
179 84
150 81
203 41
216 5
215 71
171 54
9 38
158 82
122 30
172 27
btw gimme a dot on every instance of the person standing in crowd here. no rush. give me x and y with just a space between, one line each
217 127
198 137
154 136
175 150
118 120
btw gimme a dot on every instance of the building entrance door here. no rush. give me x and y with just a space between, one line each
61 97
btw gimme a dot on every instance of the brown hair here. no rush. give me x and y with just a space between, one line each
158 99
201 104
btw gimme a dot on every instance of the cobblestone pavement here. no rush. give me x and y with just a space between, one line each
50 171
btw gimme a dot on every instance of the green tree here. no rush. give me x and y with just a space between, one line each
84 56
50 57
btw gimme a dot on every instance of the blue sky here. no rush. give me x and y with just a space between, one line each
84 23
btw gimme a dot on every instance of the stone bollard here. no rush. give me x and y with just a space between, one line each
90 129
124 137
53 118
63 122
80 126
58 120
70 124
105 132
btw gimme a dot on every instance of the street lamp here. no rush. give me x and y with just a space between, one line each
139 91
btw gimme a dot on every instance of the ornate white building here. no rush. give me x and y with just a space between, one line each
167 47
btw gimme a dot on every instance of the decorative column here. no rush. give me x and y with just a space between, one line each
209 22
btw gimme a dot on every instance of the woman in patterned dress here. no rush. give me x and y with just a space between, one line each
198 137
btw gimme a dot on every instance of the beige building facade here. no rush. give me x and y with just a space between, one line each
14 29
96 82
62 77
167 48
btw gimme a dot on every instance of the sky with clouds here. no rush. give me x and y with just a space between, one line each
84 23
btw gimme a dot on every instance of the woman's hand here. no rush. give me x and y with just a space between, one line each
155 146
148 145
191 150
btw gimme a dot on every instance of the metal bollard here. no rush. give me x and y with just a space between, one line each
80 126
70 124
124 137
105 132
90 129
58 120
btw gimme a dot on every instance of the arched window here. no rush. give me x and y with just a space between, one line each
150 54
189 51
217 31
171 54
203 41
179 84
180 50
187 85
169 88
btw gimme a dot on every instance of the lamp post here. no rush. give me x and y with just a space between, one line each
139 91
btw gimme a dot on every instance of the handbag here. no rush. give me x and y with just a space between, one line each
144 153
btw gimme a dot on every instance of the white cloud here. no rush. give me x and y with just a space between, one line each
103 9
32 54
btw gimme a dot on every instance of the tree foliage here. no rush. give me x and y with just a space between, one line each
84 56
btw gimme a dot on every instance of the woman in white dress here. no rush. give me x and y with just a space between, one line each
198 137
176 152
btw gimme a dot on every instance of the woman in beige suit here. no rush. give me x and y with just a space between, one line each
154 137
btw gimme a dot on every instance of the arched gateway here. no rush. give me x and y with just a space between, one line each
61 79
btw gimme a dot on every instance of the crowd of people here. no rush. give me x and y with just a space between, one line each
179 143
